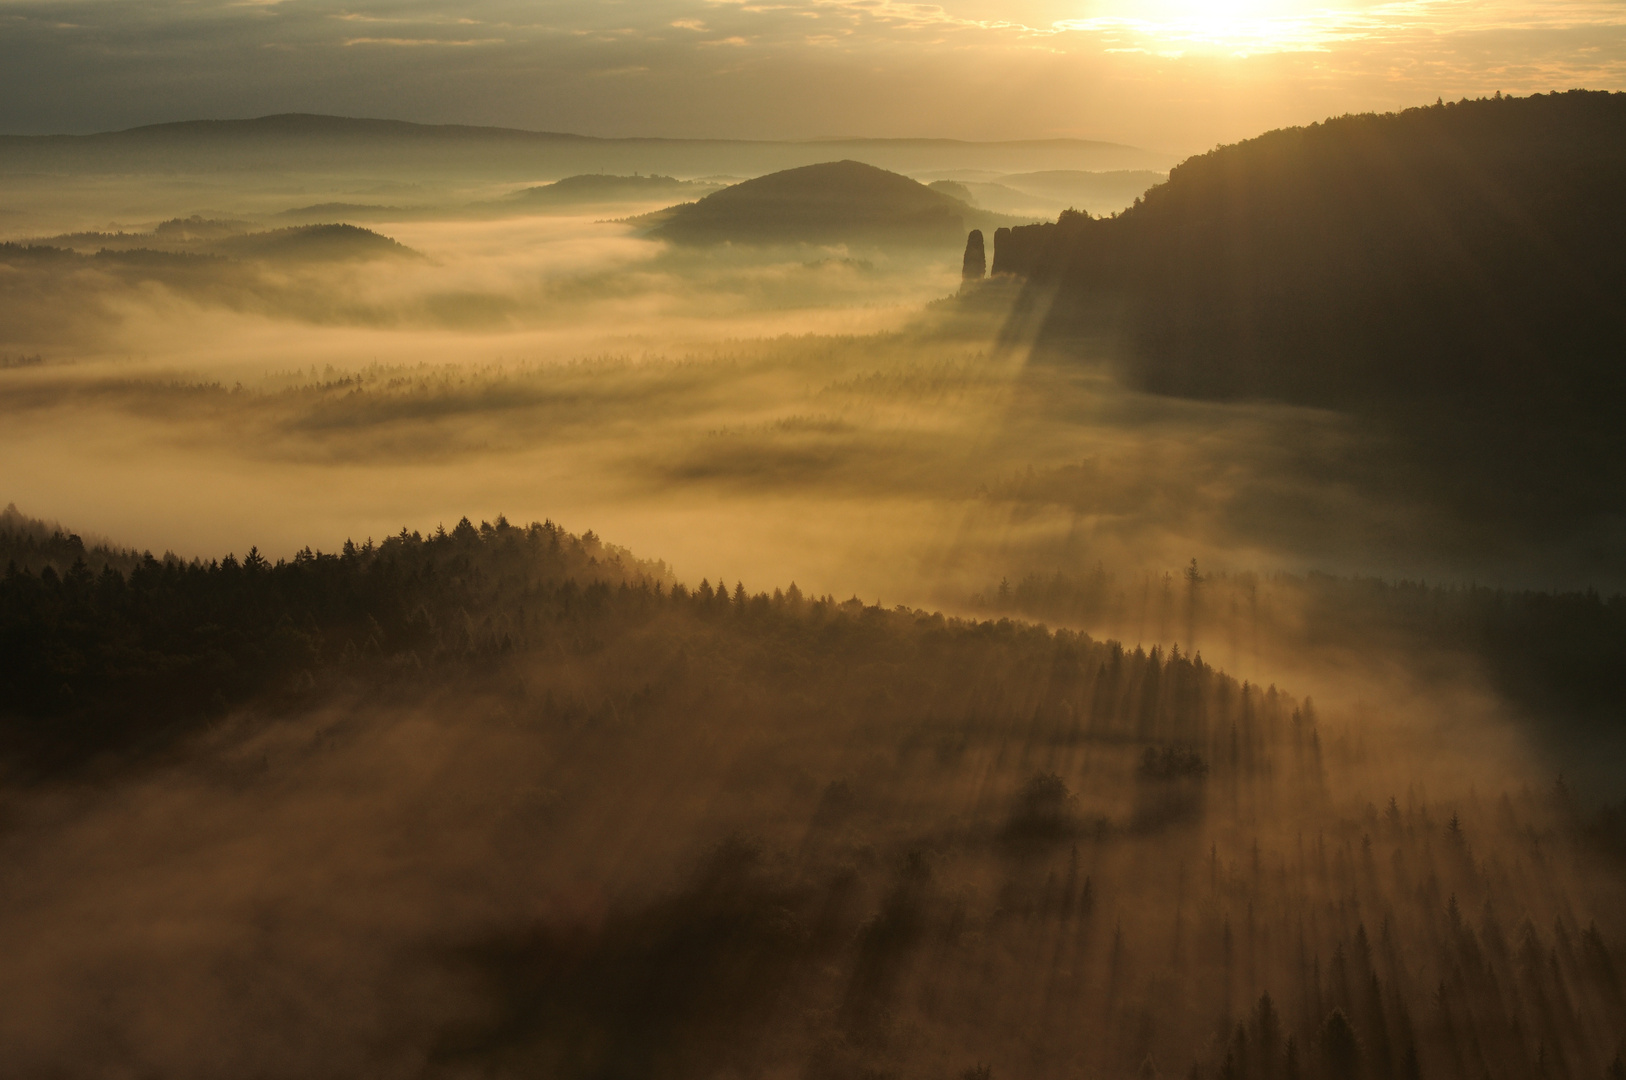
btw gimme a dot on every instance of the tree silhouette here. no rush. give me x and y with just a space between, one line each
1340 1049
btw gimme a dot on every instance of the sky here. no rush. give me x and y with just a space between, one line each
1171 75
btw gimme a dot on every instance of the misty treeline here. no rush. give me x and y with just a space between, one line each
103 644
1556 654
57 294
104 648
596 823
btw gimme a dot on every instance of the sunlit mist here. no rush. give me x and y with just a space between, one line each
831 540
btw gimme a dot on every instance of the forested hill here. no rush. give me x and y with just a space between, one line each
832 202
625 828
105 652
1470 252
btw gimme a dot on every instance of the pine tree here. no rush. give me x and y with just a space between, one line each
1340 1049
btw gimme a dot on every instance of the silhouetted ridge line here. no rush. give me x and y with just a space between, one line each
1438 251
316 124
1457 273
325 124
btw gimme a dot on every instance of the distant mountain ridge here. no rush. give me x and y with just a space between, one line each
292 142
322 124
317 125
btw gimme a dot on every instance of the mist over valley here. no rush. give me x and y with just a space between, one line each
481 602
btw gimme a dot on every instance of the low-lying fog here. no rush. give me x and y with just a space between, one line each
823 415
801 413
977 818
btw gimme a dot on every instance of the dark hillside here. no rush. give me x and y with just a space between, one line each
107 650
1459 269
1468 250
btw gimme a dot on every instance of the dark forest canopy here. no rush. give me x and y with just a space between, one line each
108 650
1457 272
90 632
116 650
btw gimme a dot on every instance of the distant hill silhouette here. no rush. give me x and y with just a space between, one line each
298 142
1460 269
314 243
954 189
197 227
195 236
833 202
305 126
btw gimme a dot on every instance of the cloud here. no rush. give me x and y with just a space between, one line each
1172 75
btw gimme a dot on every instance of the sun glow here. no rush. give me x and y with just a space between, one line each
1235 27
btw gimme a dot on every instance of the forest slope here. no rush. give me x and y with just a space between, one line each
1469 250
1457 270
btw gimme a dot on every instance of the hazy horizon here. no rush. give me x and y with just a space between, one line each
1175 77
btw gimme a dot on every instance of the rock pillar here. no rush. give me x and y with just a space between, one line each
976 262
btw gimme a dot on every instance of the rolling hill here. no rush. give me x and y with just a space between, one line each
833 202
316 243
238 239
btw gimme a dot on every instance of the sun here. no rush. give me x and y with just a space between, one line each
1240 27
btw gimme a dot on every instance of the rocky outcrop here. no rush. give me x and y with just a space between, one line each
1026 250
976 262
